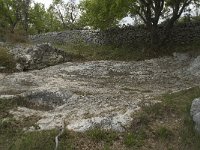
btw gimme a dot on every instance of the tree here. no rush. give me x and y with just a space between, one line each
52 22
37 18
14 12
25 13
67 13
153 11
10 11
103 14
42 20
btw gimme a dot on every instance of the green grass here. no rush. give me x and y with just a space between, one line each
43 140
134 140
10 128
154 127
163 133
84 52
95 52
98 134
170 121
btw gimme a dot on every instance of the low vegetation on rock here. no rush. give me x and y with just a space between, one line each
153 127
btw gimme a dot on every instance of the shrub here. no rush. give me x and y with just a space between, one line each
7 62
16 37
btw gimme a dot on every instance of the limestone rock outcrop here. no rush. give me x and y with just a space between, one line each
195 113
94 93
38 57
195 66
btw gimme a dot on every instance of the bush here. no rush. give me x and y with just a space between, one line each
7 62
16 37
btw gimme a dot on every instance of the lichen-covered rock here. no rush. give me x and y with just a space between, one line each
195 66
195 113
95 93
48 97
38 57
195 108
196 119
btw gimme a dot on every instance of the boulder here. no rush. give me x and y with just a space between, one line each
196 119
194 67
195 113
38 57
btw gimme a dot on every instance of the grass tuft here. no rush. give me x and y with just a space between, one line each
163 133
98 135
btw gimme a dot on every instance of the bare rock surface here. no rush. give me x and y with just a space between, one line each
194 67
195 113
96 93
38 56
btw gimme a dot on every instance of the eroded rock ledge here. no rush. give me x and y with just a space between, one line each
38 56
96 93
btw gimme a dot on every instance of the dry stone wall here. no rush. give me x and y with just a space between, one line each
182 33
71 36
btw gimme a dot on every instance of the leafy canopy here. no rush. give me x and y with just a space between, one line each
103 13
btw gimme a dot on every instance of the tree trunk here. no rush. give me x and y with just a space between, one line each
155 41
12 27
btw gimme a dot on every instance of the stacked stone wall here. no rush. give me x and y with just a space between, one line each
181 33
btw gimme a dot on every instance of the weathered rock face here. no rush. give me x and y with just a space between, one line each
38 57
103 93
195 66
195 113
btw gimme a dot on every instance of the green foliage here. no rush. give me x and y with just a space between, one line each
14 13
103 14
43 20
10 13
38 17
67 13
33 18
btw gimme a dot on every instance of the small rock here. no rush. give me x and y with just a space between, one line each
196 119
2 67
195 108
195 113
194 67
181 56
